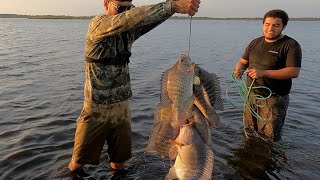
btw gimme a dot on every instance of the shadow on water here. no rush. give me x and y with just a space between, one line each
258 159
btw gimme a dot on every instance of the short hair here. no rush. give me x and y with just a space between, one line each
277 13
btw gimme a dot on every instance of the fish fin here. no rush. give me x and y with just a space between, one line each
153 138
208 112
160 138
218 103
157 114
173 152
213 118
209 85
172 175
208 163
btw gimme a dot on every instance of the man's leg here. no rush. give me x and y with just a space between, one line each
119 141
89 137
249 121
274 112
73 166
117 166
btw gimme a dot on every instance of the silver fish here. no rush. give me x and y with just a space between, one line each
175 107
178 84
193 158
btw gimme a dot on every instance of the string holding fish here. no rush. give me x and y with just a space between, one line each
189 44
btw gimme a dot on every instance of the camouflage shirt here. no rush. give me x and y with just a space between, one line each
106 84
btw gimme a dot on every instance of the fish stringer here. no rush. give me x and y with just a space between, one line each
189 46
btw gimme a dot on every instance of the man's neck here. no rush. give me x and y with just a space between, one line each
274 40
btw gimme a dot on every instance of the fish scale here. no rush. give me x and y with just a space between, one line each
180 87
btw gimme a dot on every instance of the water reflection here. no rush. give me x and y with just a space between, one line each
258 158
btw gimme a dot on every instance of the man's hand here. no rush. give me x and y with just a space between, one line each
255 73
238 73
240 67
186 6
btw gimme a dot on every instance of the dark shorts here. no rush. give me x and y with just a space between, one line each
100 123
272 112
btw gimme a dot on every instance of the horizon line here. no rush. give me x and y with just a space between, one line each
178 17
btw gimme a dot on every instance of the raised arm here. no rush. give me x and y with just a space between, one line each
104 25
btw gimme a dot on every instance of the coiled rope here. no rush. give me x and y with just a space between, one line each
246 93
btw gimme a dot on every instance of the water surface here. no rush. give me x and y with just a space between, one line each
42 77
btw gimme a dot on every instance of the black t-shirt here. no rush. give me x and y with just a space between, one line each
286 52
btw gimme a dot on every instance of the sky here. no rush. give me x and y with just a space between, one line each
208 8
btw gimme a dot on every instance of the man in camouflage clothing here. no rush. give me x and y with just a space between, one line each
106 114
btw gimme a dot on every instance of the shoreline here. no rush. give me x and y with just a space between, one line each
173 17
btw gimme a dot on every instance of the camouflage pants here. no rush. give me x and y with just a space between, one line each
100 123
272 111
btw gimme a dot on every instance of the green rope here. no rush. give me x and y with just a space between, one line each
244 90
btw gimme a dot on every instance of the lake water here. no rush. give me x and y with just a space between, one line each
42 78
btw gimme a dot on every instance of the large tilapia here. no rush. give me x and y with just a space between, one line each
177 88
175 107
194 158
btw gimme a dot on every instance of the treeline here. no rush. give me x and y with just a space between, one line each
43 16
174 17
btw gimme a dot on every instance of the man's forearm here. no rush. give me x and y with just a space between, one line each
242 64
282 74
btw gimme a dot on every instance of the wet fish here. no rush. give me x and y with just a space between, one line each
193 157
207 95
202 126
178 87
175 107
165 129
